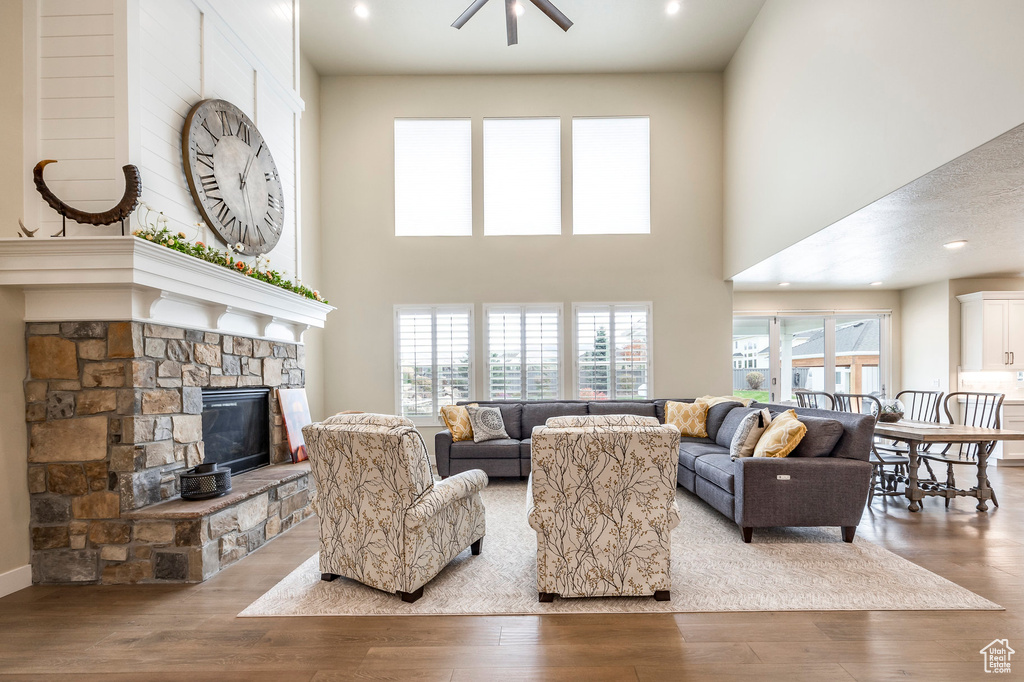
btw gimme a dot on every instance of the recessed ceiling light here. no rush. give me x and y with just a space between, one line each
875 284
673 7
362 11
783 284
958 244
520 9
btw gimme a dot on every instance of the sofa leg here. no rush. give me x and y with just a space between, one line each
662 595
328 577
848 533
476 547
410 597
546 597
747 532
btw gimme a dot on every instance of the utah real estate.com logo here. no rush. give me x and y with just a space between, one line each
997 656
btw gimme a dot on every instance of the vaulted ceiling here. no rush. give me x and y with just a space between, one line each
608 36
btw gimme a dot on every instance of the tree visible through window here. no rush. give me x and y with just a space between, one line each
612 352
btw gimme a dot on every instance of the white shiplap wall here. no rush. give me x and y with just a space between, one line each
114 80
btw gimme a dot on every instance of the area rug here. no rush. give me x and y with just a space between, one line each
785 569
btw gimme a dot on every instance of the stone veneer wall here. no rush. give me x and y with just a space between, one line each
115 413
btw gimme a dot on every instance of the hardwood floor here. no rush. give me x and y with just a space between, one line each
191 633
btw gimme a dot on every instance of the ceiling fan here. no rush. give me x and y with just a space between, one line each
511 17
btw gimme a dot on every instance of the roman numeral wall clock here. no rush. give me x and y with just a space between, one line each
232 176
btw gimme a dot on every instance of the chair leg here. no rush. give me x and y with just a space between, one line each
410 597
873 485
328 577
476 547
748 533
994 500
950 481
546 597
662 595
848 533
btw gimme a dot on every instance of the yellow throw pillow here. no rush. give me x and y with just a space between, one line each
456 418
690 418
717 400
780 438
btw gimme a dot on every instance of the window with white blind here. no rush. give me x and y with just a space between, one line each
523 351
434 359
612 351
611 175
522 176
433 177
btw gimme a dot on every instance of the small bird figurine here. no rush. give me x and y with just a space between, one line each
27 232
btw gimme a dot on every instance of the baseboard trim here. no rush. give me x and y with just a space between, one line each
1014 462
15 579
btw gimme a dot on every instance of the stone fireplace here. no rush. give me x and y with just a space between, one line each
114 406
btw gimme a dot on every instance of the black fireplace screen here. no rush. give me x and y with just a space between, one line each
236 427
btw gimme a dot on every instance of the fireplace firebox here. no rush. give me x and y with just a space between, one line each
236 428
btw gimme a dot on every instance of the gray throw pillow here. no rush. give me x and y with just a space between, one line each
820 439
748 433
487 423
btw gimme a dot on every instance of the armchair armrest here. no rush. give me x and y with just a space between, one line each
443 494
819 491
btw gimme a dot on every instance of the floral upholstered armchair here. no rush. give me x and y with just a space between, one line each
383 519
602 500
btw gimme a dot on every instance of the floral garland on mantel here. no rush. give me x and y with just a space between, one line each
179 242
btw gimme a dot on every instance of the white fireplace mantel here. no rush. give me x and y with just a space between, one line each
125 278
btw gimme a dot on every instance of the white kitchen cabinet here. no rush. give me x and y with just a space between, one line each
1011 451
992 330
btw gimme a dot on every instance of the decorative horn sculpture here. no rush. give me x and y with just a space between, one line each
511 23
120 212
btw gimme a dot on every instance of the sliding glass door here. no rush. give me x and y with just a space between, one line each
776 355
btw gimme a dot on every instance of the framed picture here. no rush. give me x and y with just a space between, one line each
295 410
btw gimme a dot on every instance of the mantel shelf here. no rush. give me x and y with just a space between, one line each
125 278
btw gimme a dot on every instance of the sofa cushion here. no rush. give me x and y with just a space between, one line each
535 414
781 437
511 414
659 406
690 418
487 423
492 449
524 448
719 469
643 408
716 416
690 452
730 424
820 439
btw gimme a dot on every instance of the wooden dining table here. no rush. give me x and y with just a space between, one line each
917 434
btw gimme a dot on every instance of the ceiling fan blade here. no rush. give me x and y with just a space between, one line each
511 22
468 14
553 13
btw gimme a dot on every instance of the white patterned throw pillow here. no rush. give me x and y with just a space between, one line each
749 432
487 423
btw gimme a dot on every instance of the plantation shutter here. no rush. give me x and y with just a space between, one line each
434 351
612 352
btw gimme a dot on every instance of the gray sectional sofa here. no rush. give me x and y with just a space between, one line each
824 482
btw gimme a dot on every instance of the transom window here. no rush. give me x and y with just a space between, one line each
523 351
611 175
522 176
433 177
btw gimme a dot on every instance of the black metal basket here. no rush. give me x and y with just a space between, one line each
205 481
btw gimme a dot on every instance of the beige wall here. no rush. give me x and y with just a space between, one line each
832 105
14 509
837 301
926 335
367 270
309 131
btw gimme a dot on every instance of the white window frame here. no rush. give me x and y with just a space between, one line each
435 418
523 309
576 307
